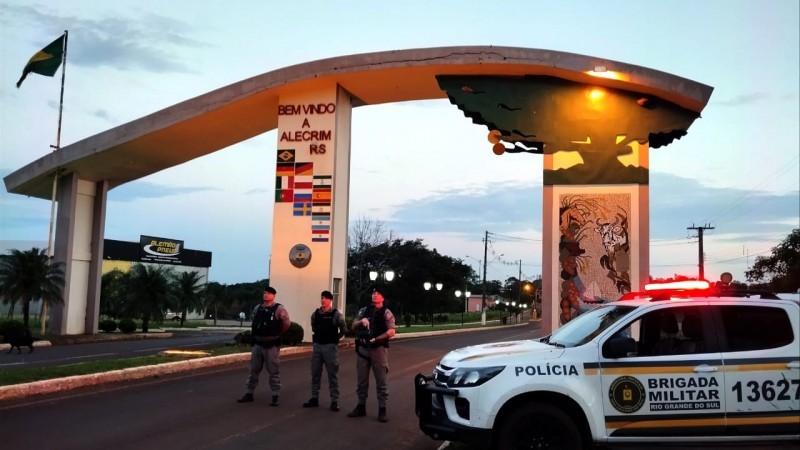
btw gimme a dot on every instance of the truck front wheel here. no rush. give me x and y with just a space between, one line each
538 426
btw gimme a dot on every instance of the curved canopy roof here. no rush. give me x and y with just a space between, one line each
234 113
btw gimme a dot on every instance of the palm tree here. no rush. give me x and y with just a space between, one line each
113 298
29 275
188 293
216 298
149 291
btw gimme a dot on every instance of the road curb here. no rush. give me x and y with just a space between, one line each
56 385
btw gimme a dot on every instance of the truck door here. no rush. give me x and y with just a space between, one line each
673 385
761 369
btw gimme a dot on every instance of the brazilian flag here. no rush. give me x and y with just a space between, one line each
46 61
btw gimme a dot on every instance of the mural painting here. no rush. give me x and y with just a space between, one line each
594 251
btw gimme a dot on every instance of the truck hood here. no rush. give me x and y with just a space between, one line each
485 354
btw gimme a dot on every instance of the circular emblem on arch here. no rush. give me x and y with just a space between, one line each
300 255
626 394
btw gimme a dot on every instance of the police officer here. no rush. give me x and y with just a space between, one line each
327 327
374 326
270 321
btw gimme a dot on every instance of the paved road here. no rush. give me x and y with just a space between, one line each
198 410
191 339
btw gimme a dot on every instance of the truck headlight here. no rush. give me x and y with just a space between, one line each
472 376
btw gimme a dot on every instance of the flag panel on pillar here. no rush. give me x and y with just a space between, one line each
323 181
320 233
284 169
322 210
302 196
304 168
322 196
284 195
302 209
284 182
286 156
303 182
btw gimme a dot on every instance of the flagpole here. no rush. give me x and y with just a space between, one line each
57 147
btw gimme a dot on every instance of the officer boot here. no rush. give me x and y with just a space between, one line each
382 415
359 411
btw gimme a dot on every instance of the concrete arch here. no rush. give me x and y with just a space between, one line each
87 169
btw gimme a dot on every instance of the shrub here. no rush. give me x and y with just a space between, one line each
407 320
108 325
244 337
127 326
294 335
11 327
441 318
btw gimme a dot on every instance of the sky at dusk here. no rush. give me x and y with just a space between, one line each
421 167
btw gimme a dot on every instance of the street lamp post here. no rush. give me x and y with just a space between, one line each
466 299
387 275
427 285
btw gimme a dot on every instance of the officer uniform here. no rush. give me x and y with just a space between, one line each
269 323
372 354
327 328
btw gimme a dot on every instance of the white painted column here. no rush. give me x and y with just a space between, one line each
79 235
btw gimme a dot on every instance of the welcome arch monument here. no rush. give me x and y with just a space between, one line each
592 119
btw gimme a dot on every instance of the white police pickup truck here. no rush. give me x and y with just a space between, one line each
673 365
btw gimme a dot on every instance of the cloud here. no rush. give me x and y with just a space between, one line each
149 42
138 190
743 99
503 207
675 204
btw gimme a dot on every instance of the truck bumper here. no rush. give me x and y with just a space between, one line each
433 419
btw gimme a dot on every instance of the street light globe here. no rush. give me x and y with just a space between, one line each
427 285
373 275
467 294
389 274
439 286
513 303
458 293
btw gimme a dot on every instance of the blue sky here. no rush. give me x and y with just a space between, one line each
420 167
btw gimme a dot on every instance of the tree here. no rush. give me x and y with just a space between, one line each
149 291
781 269
216 298
29 275
113 299
188 293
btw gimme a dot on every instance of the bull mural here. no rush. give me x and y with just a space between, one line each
594 252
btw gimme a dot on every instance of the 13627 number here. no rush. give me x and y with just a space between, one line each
768 390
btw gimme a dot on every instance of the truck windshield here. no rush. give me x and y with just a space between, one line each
586 326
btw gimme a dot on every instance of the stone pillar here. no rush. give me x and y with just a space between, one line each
310 216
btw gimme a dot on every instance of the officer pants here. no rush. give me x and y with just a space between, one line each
261 357
327 355
378 363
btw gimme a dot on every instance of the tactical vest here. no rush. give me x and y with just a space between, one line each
265 322
324 328
377 324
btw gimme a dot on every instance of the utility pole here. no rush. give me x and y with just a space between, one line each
485 254
519 283
700 247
